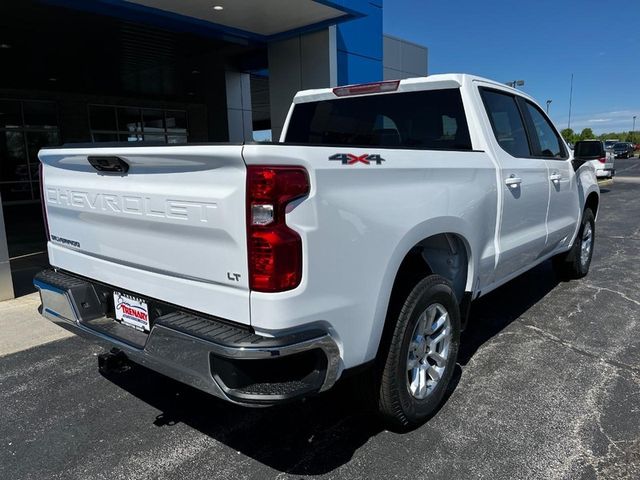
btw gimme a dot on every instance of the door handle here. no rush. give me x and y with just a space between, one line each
555 177
513 181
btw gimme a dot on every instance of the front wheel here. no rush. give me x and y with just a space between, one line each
576 262
422 354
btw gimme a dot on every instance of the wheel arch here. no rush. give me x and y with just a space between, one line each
593 202
443 247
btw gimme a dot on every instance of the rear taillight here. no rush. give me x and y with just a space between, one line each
602 159
42 202
275 250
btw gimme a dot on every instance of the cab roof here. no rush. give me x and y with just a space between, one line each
431 82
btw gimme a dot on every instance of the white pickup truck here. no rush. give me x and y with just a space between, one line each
264 272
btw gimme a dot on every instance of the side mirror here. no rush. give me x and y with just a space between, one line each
576 163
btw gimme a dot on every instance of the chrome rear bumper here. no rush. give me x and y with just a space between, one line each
177 347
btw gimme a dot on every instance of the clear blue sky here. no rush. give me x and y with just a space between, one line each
542 42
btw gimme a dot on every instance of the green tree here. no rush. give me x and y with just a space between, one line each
568 134
586 134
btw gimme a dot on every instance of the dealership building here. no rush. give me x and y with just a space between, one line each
165 71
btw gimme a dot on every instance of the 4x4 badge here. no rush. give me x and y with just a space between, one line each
350 159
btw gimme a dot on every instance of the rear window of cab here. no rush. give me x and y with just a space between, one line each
429 119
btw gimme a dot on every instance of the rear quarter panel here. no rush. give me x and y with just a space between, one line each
359 222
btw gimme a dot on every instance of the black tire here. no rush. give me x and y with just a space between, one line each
396 403
572 265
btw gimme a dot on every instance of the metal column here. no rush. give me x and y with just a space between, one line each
6 283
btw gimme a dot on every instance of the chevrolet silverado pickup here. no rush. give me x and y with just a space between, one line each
264 272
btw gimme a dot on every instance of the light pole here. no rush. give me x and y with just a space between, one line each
633 130
570 100
548 103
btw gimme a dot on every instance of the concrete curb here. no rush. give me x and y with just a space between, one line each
22 327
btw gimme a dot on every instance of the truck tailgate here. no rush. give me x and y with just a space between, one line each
172 227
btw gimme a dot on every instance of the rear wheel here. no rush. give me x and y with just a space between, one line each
422 354
576 262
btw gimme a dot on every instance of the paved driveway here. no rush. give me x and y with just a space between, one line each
548 387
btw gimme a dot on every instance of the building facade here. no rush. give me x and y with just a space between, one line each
165 71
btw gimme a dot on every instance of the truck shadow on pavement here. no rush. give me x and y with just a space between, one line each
498 309
320 434
309 437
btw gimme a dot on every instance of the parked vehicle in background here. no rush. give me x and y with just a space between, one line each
608 144
260 273
621 150
632 148
594 153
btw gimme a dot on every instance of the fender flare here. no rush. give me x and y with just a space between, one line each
426 229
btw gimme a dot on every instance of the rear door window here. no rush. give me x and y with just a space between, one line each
429 119
548 140
507 123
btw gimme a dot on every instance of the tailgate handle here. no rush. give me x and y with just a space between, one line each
108 164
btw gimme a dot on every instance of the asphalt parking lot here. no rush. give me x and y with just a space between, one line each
548 387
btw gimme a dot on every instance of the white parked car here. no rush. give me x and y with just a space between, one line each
263 272
594 153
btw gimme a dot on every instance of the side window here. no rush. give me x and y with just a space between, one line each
550 145
506 122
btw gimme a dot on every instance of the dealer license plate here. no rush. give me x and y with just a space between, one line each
131 311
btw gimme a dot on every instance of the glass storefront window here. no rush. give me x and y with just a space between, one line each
153 120
129 120
26 126
176 139
111 123
176 121
40 115
14 158
36 141
10 114
103 118
105 137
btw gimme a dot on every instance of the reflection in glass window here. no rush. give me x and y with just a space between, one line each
153 121
40 115
176 120
176 139
14 159
103 118
110 123
129 119
36 141
154 138
10 114
547 137
105 137
25 127
430 119
506 122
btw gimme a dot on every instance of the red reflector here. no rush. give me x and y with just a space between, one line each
274 250
602 159
275 259
364 88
